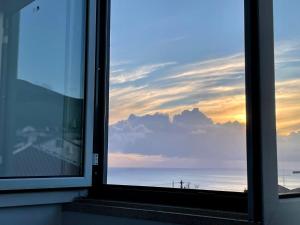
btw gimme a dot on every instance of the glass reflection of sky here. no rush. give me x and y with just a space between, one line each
51 45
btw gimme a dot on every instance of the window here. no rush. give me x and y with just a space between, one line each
146 49
177 95
46 93
176 118
287 67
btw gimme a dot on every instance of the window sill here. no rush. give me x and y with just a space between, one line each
39 197
159 213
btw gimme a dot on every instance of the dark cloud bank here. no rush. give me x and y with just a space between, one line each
191 134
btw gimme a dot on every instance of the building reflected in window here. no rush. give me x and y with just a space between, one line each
42 88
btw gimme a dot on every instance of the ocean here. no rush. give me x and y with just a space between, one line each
205 179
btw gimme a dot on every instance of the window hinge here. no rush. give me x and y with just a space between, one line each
95 159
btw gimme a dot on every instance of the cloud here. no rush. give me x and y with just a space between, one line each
183 86
192 118
213 68
288 151
287 61
119 63
217 86
130 160
176 137
287 106
190 136
285 48
188 140
123 160
121 76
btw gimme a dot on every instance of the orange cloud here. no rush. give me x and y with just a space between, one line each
222 103
288 106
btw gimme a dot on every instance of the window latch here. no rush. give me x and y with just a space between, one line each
95 159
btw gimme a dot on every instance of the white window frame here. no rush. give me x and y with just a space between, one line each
275 210
86 179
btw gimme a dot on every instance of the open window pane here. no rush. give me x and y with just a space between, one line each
287 68
42 45
177 94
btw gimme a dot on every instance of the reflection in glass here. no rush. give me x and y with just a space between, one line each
41 87
287 72
177 96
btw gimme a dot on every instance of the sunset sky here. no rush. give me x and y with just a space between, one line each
170 58
167 57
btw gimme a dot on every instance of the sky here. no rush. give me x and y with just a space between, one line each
172 60
160 56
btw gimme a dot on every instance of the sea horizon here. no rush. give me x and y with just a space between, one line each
219 179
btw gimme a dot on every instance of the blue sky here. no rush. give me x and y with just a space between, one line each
286 18
152 32
156 31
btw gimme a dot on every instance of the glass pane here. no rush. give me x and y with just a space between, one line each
177 94
41 87
287 68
